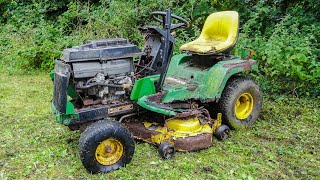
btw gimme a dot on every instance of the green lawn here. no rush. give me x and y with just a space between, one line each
284 143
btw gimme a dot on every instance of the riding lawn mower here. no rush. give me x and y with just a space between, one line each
113 92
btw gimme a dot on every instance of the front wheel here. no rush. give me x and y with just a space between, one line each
222 132
166 150
105 146
241 102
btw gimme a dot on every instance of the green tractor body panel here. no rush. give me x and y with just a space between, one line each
199 83
187 81
144 102
144 87
70 109
68 116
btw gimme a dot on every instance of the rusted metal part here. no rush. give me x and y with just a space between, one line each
173 81
205 117
140 131
181 105
156 97
187 114
193 143
194 105
89 101
153 103
108 149
246 65
209 100
192 87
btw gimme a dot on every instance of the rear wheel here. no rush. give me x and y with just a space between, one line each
105 146
241 102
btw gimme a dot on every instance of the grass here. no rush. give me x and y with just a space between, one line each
283 144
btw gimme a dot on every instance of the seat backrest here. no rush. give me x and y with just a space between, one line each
221 26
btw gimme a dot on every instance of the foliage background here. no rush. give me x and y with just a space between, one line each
284 34
283 144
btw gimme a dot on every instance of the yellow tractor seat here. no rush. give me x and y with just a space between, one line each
219 34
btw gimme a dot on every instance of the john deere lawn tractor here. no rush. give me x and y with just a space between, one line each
113 92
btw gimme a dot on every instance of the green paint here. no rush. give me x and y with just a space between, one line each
65 118
196 83
70 108
144 87
144 102
71 92
51 74
209 82
70 112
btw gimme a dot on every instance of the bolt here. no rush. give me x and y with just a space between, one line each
108 149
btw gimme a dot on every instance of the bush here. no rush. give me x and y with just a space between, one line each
284 34
287 51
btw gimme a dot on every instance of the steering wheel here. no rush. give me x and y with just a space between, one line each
181 21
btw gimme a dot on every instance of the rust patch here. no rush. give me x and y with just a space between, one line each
89 102
209 100
246 65
156 97
180 105
192 87
120 108
139 130
188 114
193 143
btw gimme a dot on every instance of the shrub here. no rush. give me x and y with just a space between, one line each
284 34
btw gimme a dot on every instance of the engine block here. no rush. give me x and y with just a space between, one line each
101 71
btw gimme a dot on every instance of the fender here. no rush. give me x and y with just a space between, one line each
198 83
221 73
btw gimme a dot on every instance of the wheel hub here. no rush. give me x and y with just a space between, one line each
244 106
109 151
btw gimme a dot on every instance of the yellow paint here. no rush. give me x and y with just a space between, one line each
177 128
109 151
244 106
149 124
219 33
217 122
184 126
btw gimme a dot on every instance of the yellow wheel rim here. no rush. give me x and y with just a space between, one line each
244 106
109 151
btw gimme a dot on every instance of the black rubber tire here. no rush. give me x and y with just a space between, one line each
233 90
94 135
166 150
222 132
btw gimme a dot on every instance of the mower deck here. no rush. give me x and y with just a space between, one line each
186 134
